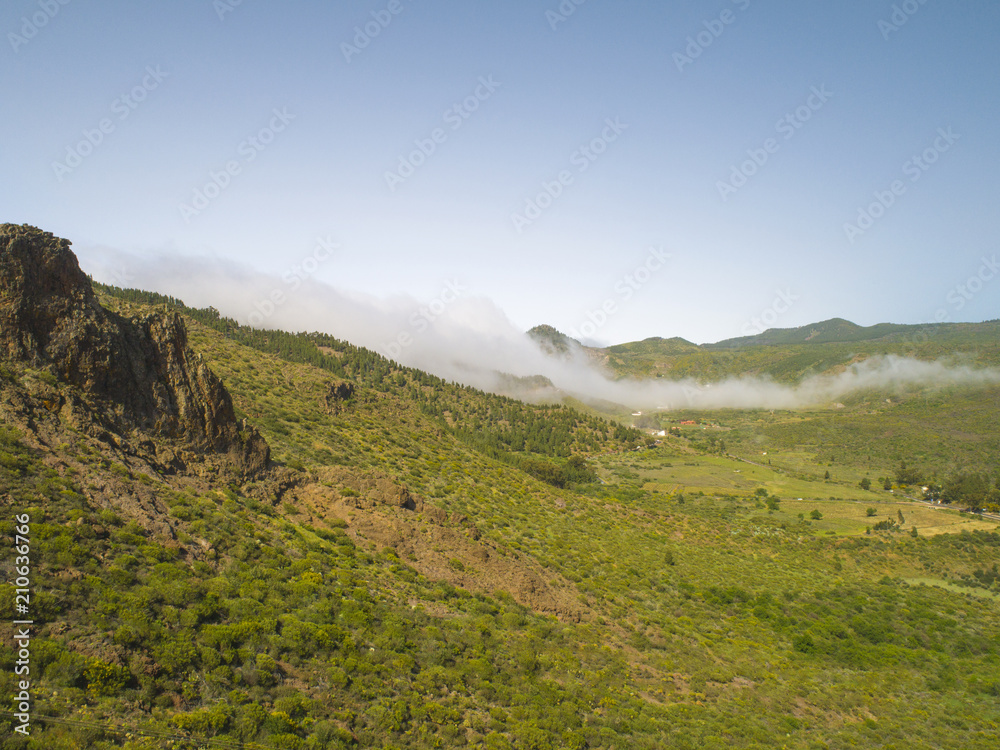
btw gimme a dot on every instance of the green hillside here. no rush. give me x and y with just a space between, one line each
551 341
788 355
427 565
828 331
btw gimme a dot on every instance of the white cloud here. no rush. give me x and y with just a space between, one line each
464 337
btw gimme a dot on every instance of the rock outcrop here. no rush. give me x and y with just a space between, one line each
338 392
139 374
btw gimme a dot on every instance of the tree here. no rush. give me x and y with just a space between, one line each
871 512
866 483
826 475
887 484
906 475
816 515
967 489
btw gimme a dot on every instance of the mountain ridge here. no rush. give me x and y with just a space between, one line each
790 354
832 330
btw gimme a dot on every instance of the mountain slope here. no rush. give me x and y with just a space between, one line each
406 576
788 355
835 330
552 341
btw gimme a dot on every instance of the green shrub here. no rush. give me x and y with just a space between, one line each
105 679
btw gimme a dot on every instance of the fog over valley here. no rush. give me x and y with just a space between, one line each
469 339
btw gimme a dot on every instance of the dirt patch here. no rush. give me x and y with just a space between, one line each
438 545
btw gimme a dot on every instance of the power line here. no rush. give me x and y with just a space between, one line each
207 742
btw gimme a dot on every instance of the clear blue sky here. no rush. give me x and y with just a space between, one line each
863 99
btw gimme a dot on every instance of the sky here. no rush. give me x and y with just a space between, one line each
617 170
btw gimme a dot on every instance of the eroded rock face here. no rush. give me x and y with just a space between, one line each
139 371
338 392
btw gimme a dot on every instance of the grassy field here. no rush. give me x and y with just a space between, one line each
937 431
667 472
725 475
849 518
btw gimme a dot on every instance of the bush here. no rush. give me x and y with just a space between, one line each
105 679
804 644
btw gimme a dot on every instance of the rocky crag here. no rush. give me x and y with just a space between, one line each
133 383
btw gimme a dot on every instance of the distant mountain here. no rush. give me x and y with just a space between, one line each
835 330
552 341
786 354
655 344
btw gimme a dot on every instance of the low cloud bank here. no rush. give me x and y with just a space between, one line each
467 338
892 374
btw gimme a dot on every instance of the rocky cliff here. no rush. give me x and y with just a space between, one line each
137 376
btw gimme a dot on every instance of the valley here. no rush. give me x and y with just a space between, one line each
354 553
